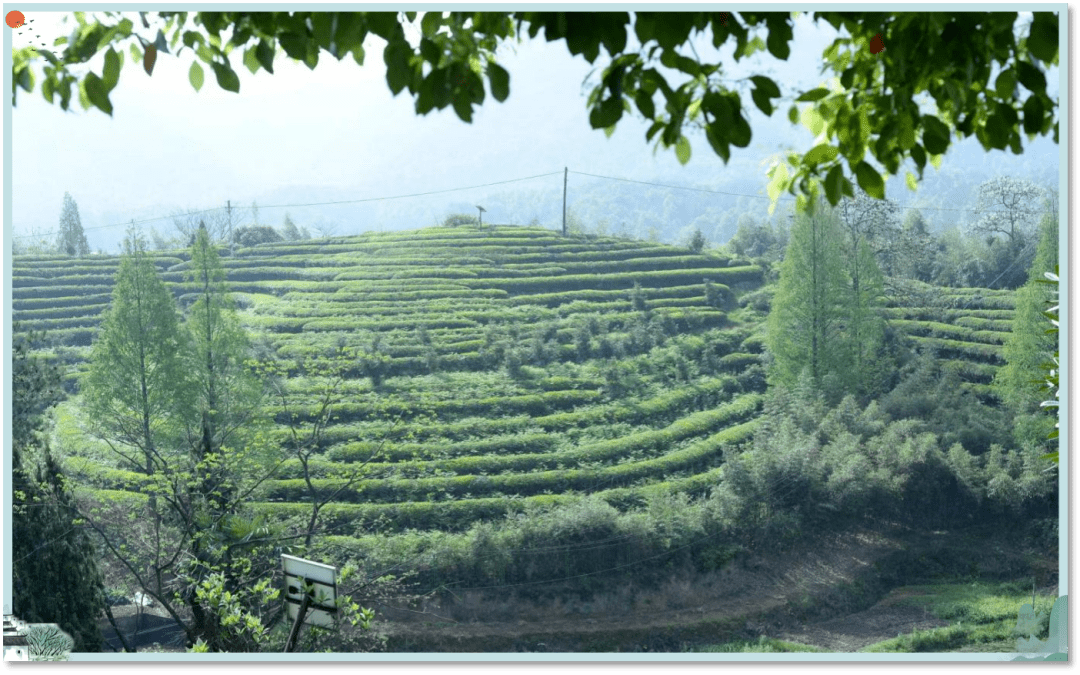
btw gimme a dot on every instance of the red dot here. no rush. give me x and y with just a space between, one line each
877 44
15 18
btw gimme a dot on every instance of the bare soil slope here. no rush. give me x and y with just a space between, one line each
832 592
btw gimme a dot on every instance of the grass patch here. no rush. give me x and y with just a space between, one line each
763 645
983 617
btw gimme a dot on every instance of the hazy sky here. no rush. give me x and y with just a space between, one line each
337 133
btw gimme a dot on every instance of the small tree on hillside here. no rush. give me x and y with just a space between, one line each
253 235
1009 210
216 221
289 231
1008 207
697 241
71 240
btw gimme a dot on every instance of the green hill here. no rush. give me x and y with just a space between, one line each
499 371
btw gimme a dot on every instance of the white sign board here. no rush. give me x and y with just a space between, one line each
322 609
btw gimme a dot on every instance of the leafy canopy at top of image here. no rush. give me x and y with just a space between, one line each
868 104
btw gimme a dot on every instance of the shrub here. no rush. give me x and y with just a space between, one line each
459 219
255 235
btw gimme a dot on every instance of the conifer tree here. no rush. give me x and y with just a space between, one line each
137 385
227 394
289 231
71 240
863 326
808 312
54 566
1018 382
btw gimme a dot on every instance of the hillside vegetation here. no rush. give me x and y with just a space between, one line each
505 405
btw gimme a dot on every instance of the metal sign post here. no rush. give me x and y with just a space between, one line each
309 586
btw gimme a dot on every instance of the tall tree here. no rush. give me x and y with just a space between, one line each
872 224
917 249
137 385
137 390
1009 211
228 393
70 239
808 311
54 564
871 229
948 55
1028 345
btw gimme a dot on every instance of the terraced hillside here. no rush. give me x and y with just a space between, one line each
498 369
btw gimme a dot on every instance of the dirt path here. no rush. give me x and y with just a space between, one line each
834 595
852 632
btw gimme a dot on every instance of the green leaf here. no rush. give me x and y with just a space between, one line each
740 133
997 131
766 85
1043 40
793 114
321 28
847 78
25 79
645 104
463 109
111 73
779 181
820 153
265 54
226 77
97 93
935 135
1031 77
870 180
905 135
431 22
779 37
195 75
814 95
682 150
500 81
912 183
935 161
396 57
250 61
762 101
48 88
1005 84
719 147
1033 114
919 156
812 120
607 113
832 184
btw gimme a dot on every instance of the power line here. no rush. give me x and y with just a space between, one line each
282 206
471 187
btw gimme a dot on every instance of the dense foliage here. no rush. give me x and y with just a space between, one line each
54 564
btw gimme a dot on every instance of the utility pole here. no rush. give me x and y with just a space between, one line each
566 172
228 210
